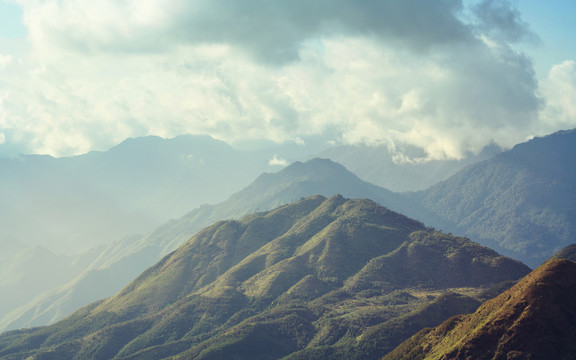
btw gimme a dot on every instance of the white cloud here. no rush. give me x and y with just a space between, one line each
2 138
277 161
5 60
559 90
406 72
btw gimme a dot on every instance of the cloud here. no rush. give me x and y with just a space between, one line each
500 19
425 73
277 161
559 89
5 60
270 30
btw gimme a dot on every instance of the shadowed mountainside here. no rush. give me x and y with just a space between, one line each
532 320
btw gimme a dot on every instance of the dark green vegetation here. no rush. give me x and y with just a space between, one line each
532 320
521 203
320 278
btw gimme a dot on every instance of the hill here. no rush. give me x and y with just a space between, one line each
315 275
69 207
521 202
532 320
113 266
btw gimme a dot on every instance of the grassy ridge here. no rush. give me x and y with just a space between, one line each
319 277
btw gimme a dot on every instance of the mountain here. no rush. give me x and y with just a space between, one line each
532 320
313 275
71 204
521 202
30 271
119 262
37 268
58 212
569 253
404 170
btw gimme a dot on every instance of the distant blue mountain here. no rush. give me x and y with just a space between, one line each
521 203
73 203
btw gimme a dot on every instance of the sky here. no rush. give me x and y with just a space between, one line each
447 76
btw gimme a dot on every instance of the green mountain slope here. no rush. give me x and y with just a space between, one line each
120 262
532 320
522 202
310 276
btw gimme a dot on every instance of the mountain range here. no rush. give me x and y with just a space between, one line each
318 277
111 267
69 205
404 169
522 202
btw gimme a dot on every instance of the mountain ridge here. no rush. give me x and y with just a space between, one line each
531 320
119 262
275 272
521 202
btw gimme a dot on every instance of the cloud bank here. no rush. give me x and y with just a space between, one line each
433 73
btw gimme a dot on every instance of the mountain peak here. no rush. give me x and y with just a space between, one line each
182 143
548 155
318 165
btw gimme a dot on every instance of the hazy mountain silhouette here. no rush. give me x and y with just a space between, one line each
522 202
73 203
316 274
532 320
29 272
380 166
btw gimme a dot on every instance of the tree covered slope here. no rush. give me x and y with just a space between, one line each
522 202
319 276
